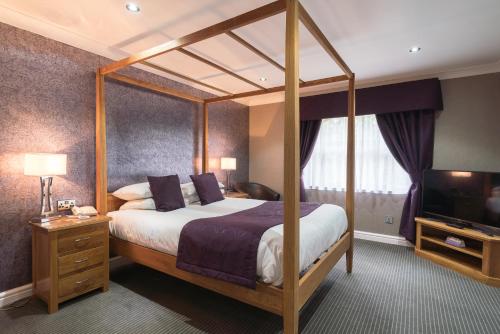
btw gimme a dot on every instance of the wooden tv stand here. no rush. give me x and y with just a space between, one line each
480 259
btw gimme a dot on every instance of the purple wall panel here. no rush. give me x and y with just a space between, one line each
47 104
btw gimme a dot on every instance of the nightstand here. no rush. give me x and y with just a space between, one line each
70 257
235 194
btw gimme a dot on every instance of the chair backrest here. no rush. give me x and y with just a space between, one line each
257 191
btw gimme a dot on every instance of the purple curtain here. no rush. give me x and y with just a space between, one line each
400 97
309 131
410 138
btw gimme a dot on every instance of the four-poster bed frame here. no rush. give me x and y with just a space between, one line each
286 301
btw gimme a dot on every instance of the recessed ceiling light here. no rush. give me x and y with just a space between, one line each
132 7
263 79
415 49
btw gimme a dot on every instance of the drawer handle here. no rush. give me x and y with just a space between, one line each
82 281
81 239
85 259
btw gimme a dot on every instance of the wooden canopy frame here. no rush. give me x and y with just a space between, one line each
288 300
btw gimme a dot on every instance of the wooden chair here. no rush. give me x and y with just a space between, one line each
257 191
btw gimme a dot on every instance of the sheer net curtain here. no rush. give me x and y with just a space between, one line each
376 169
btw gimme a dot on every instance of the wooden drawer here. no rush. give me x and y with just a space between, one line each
82 230
80 261
79 239
77 284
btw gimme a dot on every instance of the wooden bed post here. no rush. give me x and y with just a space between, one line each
351 113
101 167
204 153
291 173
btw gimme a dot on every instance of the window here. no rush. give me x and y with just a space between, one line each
376 168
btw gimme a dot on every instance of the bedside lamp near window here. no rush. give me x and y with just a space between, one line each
228 164
45 165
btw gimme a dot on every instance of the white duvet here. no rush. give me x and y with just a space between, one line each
161 230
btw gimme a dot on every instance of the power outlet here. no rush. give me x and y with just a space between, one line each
389 220
65 204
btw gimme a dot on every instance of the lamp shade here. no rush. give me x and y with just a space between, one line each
44 164
228 163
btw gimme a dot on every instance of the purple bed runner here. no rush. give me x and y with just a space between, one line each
225 247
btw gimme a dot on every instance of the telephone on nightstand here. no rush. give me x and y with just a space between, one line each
84 211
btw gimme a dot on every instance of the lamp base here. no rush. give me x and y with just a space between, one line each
228 187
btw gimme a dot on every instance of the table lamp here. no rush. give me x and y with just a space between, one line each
45 165
228 164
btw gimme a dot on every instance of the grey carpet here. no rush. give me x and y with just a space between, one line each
390 291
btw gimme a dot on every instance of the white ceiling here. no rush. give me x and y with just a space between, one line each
373 36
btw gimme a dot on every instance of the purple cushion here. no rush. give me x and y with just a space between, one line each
207 188
167 193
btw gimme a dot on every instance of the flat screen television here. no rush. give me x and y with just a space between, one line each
462 197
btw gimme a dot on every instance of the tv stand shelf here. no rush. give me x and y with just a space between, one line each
465 250
480 259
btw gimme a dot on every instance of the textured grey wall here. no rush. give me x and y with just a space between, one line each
47 104
149 134
468 130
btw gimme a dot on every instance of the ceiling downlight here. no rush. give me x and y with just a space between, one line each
132 7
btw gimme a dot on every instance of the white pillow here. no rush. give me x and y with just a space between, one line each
188 189
149 203
189 192
134 191
142 190
191 199
139 204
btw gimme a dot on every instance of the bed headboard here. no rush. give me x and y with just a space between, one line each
113 202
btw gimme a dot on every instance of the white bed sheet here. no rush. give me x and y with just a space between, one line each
161 230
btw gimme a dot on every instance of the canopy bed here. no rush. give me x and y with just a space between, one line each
296 288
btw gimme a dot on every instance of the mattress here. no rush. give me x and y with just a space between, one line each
161 230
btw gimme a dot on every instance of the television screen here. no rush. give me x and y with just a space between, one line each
472 197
